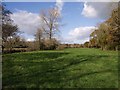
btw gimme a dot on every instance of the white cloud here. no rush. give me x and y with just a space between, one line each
98 9
59 5
89 11
79 35
30 39
81 32
27 22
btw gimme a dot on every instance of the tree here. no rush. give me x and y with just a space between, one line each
9 30
102 36
14 42
39 38
0 28
51 44
86 44
114 28
93 39
5 14
107 36
50 22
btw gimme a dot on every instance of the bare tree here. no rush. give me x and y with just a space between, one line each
50 21
39 37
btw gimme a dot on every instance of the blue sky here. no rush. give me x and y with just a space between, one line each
80 18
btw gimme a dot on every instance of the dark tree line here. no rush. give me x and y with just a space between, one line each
44 37
9 30
10 37
107 35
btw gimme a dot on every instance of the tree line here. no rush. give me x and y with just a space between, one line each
107 34
44 37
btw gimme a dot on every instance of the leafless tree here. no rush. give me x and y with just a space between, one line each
50 21
39 37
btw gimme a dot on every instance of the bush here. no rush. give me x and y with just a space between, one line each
60 47
51 44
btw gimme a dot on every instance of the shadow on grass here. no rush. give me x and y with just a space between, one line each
9 78
90 73
43 55
47 75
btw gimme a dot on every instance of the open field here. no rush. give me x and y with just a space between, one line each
69 68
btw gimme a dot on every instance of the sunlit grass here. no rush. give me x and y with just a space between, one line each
69 68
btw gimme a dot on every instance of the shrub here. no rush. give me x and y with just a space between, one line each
60 47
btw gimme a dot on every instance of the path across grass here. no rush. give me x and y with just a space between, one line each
69 68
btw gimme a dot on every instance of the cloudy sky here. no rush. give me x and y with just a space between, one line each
80 18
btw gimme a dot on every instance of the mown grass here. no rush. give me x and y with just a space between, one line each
69 68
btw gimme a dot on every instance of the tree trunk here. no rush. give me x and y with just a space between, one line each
39 42
116 48
50 36
51 31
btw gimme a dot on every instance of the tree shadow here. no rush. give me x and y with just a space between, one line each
90 73
48 76
11 79
43 55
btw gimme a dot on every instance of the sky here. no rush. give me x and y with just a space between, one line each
79 18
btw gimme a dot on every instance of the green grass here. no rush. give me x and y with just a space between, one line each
69 68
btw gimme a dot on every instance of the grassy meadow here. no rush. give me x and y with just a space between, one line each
68 68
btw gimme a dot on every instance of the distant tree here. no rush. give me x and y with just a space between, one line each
86 44
39 38
0 28
50 21
19 42
5 14
107 36
9 30
51 44
114 29
102 36
50 24
15 42
31 46
93 39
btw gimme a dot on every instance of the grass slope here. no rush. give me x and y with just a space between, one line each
69 68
